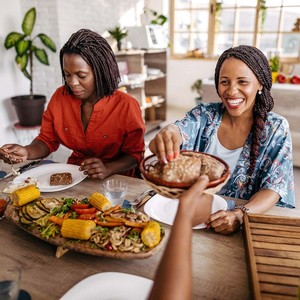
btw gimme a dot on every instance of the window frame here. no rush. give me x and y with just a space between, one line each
212 33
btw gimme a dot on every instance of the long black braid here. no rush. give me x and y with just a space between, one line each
264 102
97 53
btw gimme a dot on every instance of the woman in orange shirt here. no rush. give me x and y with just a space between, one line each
89 115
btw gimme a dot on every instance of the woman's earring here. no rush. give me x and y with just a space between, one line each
259 92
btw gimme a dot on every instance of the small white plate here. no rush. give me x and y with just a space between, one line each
43 173
110 285
164 209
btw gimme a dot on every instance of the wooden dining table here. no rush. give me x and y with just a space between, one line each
219 262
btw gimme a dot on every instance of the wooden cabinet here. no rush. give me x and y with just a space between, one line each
144 77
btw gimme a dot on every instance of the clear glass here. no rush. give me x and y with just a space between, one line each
182 20
181 43
290 45
115 190
290 16
223 42
272 20
10 277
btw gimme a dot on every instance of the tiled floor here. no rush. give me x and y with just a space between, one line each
174 113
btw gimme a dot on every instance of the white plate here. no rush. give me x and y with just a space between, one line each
164 209
110 285
43 172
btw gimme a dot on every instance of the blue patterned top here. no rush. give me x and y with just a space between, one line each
274 166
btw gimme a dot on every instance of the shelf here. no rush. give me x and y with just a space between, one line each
134 65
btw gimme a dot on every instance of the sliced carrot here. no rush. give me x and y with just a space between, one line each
136 224
114 208
109 224
56 220
110 219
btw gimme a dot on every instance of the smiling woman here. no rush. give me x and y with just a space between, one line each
241 130
89 115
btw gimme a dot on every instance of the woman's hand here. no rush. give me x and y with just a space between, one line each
166 144
13 153
226 222
94 168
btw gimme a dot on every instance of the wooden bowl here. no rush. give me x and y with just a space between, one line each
175 189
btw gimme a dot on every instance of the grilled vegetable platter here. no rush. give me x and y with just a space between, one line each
89 225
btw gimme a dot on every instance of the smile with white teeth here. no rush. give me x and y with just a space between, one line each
234 102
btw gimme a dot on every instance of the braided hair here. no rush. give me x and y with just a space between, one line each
264 102
97 53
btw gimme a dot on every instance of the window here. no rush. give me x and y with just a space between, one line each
205 28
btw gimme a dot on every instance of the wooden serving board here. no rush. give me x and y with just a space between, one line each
273 254
64 245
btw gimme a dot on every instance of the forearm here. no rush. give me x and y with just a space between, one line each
173 278
37 149
121 165
262 201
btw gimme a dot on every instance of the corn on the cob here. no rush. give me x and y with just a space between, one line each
151 234
25 195
100 201
77 229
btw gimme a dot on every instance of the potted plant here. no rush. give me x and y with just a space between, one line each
29 108
274 65
118 34
197 87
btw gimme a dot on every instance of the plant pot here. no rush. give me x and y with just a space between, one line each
29 111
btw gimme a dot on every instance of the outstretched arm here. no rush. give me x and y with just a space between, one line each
173 278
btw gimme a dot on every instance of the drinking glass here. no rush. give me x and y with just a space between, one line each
10 277
115 190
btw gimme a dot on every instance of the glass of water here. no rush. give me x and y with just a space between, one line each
115 190
10 277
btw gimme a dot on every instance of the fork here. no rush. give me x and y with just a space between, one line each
13 170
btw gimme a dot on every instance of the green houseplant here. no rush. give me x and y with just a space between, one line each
118 33
30 107
197 87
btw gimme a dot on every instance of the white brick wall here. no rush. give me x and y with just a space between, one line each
60 18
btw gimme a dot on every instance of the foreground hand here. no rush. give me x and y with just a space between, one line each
94 168
225 222
166 144
195 204
13 153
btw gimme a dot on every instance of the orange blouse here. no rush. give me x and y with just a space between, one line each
116 127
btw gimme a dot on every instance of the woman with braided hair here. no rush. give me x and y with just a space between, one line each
89 115
255 142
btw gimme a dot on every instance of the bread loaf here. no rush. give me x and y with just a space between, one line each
61 178
187 167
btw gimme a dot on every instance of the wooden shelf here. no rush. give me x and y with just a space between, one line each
141 85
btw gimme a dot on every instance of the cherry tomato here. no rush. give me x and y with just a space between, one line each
82 211
80 206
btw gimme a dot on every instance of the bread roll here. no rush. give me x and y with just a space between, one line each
187 167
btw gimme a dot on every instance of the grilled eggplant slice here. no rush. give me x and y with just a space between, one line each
35 212
50 203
